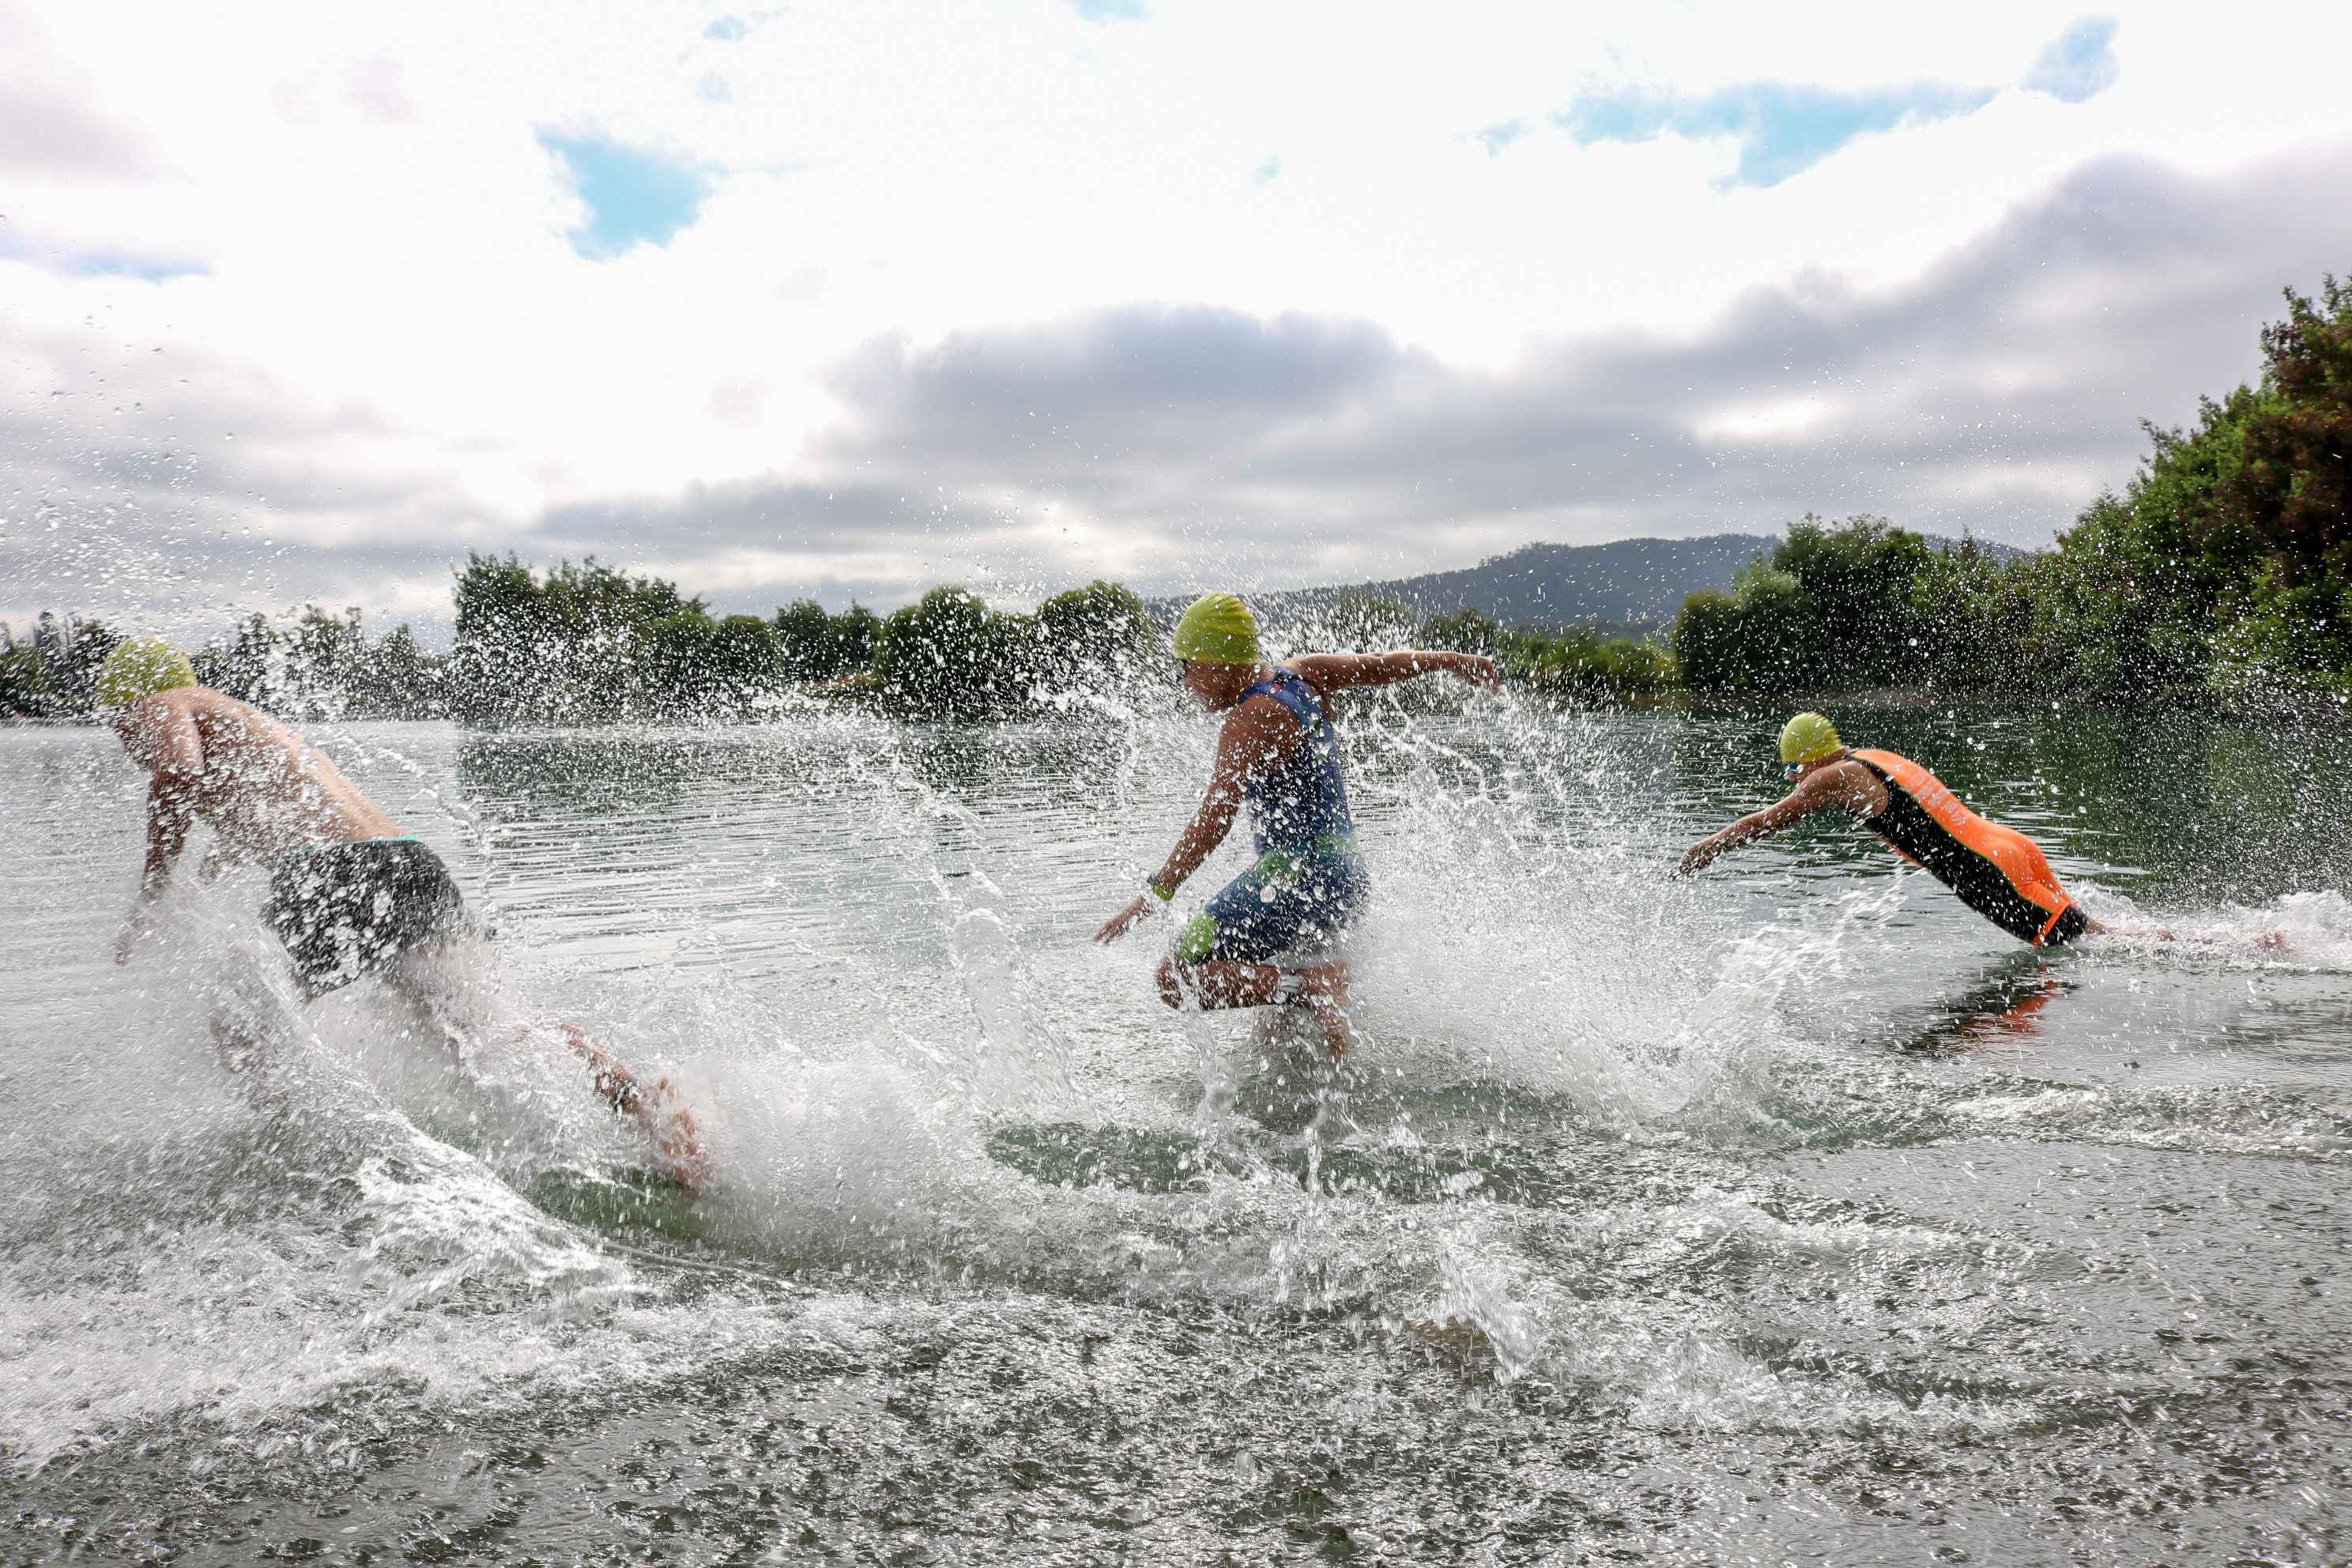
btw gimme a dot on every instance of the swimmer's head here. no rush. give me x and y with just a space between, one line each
141 666
1217 629
1807 738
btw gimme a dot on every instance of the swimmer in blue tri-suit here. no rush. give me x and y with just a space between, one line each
1251 946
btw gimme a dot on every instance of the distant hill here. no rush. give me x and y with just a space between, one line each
1627 584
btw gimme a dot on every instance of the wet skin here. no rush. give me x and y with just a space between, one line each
263 790
1259 734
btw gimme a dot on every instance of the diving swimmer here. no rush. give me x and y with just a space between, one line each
1266 938
1996 871
351 894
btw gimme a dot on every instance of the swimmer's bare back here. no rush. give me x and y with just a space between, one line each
261 787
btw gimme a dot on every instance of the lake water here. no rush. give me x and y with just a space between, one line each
1793 1213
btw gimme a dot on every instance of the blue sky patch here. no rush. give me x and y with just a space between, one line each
1112 10
1783 127
100 262
2079 63
729 29
634 196
1496 137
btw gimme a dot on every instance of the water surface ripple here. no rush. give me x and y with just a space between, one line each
1791 1213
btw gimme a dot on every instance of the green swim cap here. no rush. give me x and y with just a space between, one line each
1218 629
141 666
1807 738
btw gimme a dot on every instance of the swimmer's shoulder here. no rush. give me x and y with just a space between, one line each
1849 784
229 721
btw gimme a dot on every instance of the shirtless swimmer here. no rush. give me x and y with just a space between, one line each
351 894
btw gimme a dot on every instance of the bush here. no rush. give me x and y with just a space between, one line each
690 666
1579 662
1761 636
949 656
815 647
564 649
322 667
53 674
1360 621
1076 635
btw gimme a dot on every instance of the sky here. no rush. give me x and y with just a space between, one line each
834 300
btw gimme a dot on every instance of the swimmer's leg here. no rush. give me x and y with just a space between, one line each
445 979
2272 940
1219 983
253 1036
657 1107
1324 988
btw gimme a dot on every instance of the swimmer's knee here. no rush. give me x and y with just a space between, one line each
1197 941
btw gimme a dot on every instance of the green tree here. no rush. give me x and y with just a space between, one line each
1581 662
242 664
397 679
1467 630
1975 617
690 666
1858 577
949 656
2276 517
565 647
816 646
1085 631
1758 638
1360 621
26 691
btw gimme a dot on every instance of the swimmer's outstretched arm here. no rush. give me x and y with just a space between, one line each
1848 786
1335 671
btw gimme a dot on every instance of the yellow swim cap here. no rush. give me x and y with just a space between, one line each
1807 738
141 666
1218 629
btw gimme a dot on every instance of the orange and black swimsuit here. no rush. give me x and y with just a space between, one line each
1996 871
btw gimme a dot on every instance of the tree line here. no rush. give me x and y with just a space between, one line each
2221 574
592 644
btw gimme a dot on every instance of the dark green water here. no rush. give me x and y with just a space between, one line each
1790 1215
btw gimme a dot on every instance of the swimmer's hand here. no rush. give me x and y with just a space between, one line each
1479 672
1473 668
1695 857
1115 926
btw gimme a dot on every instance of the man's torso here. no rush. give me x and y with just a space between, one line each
263 789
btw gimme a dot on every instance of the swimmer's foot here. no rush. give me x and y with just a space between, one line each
1324 988
1332 1124
2272 940
657 1107
676 1136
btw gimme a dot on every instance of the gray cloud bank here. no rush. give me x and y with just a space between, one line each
1181 445
1997 393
